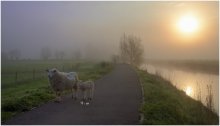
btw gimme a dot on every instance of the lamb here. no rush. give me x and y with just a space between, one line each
87 88
61 81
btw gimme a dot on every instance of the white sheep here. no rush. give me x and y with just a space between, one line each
61 81
87 88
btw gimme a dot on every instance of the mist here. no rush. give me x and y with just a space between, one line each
95 28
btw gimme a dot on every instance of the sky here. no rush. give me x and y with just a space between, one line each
95 28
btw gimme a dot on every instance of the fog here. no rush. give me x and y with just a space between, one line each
95 28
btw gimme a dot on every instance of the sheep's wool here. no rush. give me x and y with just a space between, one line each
70 75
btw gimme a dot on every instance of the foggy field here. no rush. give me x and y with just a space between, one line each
204 66
34 69
29 92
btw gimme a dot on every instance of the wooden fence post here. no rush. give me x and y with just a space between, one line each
33 74
72 67
16 76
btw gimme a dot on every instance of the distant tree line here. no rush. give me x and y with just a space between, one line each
46 54
130 51
59 54
14 54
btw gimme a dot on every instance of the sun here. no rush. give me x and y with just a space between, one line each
189 90
188 24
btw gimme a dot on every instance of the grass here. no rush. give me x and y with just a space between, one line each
27 69
165 104
27 101
24 96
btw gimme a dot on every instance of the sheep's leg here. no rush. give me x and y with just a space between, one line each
58 96
88 99
56 99
76 94
82 94
90 94
72 92
84 97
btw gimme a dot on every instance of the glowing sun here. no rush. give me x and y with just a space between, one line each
188 24
189 90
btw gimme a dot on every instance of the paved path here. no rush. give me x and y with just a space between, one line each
116 101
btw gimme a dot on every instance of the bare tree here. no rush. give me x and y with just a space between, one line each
62 54
4 56
77 55
59 54
131 50
14 54
56 53
45 53
115 59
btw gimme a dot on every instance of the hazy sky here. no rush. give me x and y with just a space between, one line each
95 28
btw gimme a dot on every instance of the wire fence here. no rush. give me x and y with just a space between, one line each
22 76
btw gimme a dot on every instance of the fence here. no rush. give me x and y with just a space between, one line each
22 76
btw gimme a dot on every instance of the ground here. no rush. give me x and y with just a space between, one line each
117 100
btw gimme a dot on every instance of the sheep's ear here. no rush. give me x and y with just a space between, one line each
54 71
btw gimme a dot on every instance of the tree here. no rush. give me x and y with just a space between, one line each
14 54
131 50
4 56
115 59
77 55
45 53
62 54
59 54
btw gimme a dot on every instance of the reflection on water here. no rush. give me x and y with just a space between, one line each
194 84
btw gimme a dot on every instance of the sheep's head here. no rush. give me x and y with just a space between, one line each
51 72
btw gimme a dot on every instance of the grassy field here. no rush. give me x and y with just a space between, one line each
165 104
29 92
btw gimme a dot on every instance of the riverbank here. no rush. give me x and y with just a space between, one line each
165 104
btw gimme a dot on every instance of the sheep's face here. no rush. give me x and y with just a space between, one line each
51 72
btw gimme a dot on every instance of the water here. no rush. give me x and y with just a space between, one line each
190 82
